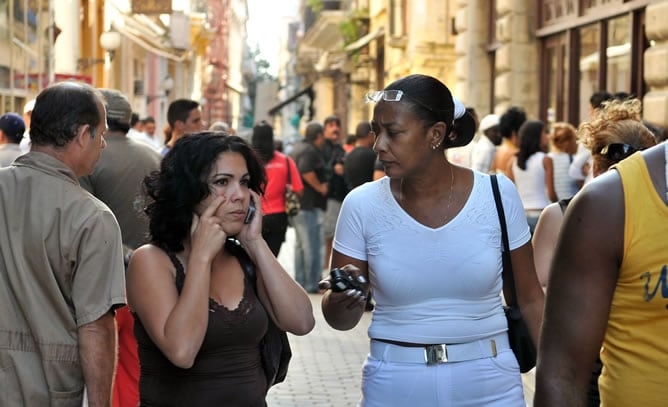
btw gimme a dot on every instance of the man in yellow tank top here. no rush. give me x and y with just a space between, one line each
608 291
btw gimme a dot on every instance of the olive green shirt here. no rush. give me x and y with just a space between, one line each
61 267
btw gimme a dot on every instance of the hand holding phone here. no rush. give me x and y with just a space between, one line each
250 213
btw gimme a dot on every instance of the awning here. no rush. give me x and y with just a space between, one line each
306 91
237 87
141 30
362 42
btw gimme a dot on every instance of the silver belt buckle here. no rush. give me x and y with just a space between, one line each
434 354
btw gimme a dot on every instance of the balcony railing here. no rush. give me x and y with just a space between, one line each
311 16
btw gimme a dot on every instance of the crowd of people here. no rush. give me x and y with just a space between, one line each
141 269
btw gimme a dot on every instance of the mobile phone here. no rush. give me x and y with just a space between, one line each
250 213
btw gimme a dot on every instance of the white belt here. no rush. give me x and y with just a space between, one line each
442 353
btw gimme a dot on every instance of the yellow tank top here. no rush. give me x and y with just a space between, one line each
635 348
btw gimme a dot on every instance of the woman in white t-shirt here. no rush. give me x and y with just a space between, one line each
426 239
532 170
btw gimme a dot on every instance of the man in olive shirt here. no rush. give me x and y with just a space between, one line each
61 262
120 171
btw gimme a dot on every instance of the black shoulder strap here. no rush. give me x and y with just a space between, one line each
180 275
235 248
563 204
287 165
508 280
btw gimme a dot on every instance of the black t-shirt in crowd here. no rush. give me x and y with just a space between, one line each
334 154
359 167
309 159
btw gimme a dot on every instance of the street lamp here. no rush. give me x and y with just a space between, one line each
109 41
165 86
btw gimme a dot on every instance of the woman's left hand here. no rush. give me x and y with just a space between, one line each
253 230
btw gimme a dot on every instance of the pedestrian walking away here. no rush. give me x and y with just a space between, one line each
279 168
610 260
61 259
308 222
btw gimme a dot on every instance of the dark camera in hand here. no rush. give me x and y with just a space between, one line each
342 281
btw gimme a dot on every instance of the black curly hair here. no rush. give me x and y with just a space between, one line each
511 121
174 191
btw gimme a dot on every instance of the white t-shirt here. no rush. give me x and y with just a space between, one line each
432 285
483 155
564 185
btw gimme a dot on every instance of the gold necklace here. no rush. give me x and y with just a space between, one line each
452 190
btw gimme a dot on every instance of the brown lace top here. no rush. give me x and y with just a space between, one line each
227 370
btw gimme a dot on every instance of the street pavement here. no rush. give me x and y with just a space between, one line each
326 365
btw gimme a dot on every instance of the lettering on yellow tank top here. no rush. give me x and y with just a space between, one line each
650 292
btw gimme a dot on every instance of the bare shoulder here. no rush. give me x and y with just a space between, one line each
655 158
597 211
551 215
548 227
601 194
150 268
150 254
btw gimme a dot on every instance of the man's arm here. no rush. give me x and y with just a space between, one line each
312 179
582 282
97 351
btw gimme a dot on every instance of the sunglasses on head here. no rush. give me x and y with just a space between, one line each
386 95
617 151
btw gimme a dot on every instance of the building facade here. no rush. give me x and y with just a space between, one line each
223 87
159 52
547 56
550 56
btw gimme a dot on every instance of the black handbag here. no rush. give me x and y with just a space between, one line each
275 349
292 204
518 332
276 354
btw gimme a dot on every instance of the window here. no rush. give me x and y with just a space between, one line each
601 48
589 38
618 55
398 18
492 46
555 89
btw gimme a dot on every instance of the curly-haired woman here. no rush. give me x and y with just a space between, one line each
199 317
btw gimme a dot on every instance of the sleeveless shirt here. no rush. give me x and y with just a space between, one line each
227 370
635 348
530 182
564 185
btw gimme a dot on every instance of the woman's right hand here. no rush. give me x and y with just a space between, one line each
351 297
206 232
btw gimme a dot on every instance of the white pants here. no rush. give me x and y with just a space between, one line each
494 381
